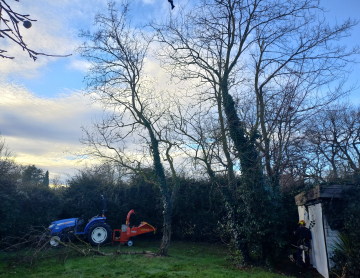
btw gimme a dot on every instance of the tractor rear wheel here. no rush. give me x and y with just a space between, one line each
99 234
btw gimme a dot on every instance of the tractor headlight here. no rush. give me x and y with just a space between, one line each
52 225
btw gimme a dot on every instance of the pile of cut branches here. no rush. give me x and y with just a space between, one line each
35 245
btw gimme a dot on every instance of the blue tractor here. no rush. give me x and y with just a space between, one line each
96 231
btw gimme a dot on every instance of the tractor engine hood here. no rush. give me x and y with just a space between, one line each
58 225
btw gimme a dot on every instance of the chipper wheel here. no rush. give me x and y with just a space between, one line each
99 234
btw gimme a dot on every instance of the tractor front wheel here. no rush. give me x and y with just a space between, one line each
99 234
54 240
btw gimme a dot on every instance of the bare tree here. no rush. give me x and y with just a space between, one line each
334 137
127 134
294 63
290 47
278 52
202 136
8 168
11 20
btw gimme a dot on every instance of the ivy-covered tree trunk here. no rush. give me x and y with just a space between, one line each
252 176
225 147
245 147
164 190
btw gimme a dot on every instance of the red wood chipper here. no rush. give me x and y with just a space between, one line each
125 233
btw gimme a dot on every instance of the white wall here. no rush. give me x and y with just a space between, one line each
318 252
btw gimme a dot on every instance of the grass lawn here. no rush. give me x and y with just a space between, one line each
186 260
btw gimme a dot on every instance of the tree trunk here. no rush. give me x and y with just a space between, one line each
230 165
252 175
247 153
165 241
164 190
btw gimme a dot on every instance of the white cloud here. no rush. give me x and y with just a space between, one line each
80 65
149 1
55 32
39 130
57 27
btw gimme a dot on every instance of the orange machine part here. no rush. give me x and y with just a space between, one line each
123 237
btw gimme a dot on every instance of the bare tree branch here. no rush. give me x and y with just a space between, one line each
11 20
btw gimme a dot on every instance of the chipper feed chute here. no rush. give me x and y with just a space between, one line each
123 235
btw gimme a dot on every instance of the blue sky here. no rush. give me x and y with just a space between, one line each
61 76
339 11
44 108
54 79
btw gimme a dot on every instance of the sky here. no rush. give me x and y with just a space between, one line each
42 103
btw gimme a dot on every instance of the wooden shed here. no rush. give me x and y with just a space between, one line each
311 210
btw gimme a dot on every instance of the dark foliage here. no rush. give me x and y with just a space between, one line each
343 215
22 207
263 222
199 214
198 208
35 176
9 207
